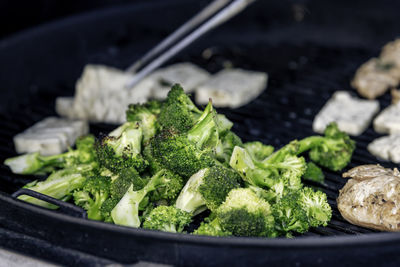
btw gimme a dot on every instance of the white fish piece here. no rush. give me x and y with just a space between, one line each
50 136
388 121
100 90
353 115
386 147
188 75
232 88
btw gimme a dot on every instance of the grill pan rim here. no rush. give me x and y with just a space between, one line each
305 242
369 239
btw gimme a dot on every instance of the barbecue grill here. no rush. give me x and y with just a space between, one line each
310 49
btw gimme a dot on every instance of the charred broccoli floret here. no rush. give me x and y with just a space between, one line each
121 149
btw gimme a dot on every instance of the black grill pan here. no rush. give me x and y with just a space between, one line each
306 61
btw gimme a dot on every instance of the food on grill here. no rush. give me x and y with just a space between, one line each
232 88
100 95
50 136
386 147
314 173
371 197
375 76
187 74
395 96
353 115
388 121
172 161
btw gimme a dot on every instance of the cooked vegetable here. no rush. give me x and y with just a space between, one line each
171 161
168 219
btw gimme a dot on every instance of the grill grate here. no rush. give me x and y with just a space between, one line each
296 92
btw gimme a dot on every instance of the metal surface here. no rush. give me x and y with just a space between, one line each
224 15
304 70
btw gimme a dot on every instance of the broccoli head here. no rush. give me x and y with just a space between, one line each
289 215
225 146
316 206
106 208
126 212
212 228
121 148
245 214
178 111
314 173
207 188
92 195
333 150
257 150
146 116
123 180
167 219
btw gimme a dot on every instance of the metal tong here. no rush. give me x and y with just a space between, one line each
213 15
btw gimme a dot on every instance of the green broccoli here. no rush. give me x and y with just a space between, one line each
126 212
187 153
167 219
314 173
121 148
123 180
278 172
257 150
224 149
60 184
207 188
170 190
333 150
245 214
146 115
34 163
289 215
106 208
316 206
178 111
212 228
92 195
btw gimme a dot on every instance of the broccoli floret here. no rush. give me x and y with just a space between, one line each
245 214
187 153
207 188
34 163
316 206
170 190
91 197
123 180
178 111
106 208
289 215
227 143
126 212
121 148
333 150
146 115
212 228
279 172
167 219
60 184
257 150
314 173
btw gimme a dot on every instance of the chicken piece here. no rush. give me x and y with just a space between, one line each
395 96
374 77
391 52
371 198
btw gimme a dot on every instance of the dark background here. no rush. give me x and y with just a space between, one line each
17 15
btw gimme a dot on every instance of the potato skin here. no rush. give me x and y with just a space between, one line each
371 198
